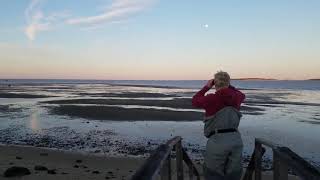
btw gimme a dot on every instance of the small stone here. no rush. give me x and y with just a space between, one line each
76 166
11 163
16 171
44 154
78 161
40 168
52 171
17 157
84 167
64 173
95 172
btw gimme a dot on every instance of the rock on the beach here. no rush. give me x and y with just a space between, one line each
40 168
19 158
16 171
78 161
52 171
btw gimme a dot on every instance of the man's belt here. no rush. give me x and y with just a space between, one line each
217 131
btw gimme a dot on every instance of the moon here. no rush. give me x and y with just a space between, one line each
206 25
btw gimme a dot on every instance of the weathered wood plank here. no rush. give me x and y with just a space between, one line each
190 164
258 160
250 169
179 160
160 161
280 167
172 142
299 165
152 165
165 172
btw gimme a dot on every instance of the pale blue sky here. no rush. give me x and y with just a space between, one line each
159 39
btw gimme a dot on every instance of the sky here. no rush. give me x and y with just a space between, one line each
159 39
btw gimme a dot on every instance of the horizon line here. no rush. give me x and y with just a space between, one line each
90 79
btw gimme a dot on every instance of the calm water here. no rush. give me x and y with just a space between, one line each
295 126
256 84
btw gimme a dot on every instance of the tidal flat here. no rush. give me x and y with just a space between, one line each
124 120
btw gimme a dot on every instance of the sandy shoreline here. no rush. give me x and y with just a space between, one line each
65 164
70 165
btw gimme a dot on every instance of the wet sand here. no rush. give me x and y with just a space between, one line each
87 110
21 95
129 95
124 114
7 109
178 103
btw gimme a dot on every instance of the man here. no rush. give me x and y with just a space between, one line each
223 155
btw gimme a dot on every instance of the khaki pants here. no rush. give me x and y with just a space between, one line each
223 157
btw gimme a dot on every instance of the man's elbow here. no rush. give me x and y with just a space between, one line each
196 103
243 97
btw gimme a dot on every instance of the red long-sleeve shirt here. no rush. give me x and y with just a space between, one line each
214 102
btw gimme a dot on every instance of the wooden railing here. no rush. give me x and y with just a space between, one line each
283 158
159 163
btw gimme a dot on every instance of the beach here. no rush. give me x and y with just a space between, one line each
122 120
65 165
98 85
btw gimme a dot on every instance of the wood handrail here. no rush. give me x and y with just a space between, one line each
298 164
189 161
283 158
160 161
152 166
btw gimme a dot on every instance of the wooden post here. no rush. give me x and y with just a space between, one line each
179 161
165 171
192 168
258 160
280 167
190 171
250 169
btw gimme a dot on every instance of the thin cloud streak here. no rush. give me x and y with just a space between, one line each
38 22
118 10
33 17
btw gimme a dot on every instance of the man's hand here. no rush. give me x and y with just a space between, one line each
210 83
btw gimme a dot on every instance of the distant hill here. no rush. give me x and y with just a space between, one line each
314 79
260 79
